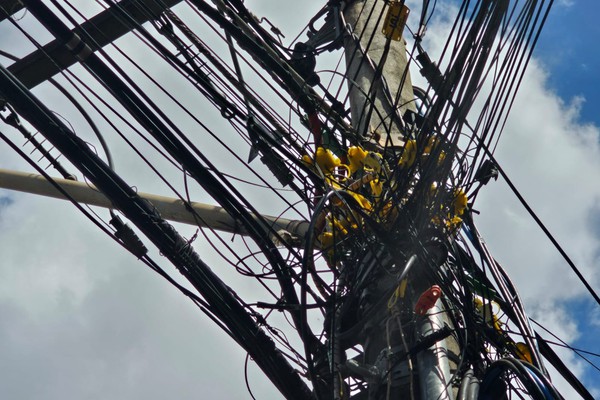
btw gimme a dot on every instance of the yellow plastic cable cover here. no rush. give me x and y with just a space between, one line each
460 202
431 145
356 155
453 223
326 240
486 311
523 352
374 161
409 155
326 160
338 226
388 213
307 160
398 294
362 200
376 188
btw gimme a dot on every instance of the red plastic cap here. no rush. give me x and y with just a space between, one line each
427 299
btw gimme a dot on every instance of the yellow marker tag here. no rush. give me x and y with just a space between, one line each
523 352
395 20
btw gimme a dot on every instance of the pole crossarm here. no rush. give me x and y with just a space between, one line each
104 28
200 214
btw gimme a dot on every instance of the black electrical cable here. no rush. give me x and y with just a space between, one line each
560 366
162 234
502 84
202 79
279 67
542 225
495 372
213 134
548 386
439 200
66 194
512 64
235 82
195 118
246 377
511 296
310 238
233 253
563 344
13 120
81 83
265 109
146 259
205 307
163 133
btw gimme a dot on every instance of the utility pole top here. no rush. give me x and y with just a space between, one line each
378 76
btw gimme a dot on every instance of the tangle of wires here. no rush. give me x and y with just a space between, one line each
374 210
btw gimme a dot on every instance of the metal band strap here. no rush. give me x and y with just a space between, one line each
80 50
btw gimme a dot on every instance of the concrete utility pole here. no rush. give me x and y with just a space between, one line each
391 90
379 76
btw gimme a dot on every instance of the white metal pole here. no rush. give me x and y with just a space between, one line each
204 215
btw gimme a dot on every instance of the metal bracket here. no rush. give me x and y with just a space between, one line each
329 32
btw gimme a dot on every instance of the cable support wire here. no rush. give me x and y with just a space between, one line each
278 130
155 122
276 65
507 65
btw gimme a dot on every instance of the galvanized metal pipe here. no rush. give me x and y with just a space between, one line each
432 363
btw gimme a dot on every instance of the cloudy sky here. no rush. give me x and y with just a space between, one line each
81 318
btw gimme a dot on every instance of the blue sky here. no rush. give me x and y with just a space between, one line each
586 312
568 47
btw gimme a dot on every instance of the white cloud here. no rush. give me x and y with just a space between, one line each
566 3
550 157
80 316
